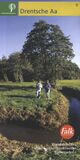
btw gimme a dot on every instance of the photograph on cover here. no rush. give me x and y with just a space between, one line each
39 86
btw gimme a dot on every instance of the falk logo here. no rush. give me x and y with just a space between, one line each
12 7
67 131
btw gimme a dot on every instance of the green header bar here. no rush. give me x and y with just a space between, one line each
8 8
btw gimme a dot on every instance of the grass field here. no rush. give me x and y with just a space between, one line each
23 95
17 95
18 101
70 83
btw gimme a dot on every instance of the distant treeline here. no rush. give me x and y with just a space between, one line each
46 54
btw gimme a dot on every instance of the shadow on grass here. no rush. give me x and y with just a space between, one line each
12 87
29 131
21 96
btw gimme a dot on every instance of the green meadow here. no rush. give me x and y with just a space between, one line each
23 95
70 83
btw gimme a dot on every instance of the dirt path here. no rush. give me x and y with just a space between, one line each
20 133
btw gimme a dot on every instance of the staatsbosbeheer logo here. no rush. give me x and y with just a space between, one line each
67 131
12 7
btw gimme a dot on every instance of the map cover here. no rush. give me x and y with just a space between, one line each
39 80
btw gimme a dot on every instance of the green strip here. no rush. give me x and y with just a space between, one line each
8 8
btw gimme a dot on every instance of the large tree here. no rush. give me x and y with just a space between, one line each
46 47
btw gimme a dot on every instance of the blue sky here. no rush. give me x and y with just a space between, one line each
14 29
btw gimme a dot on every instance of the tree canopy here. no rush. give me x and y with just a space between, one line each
46 54
46 48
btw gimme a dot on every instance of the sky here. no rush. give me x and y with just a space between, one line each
14 29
